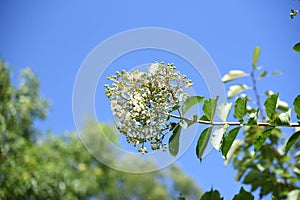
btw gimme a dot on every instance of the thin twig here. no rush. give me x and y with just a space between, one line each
230 123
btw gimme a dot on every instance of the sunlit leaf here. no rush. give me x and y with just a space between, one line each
240 108
190 102
291 141
294 195
202 142
243 194
223 110
209 108
217 137
233 74
261 139
296 47
256 53
283 119
174 141
282 105
236 89
270 105
296 104
228 140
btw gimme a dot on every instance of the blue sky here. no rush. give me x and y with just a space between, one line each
54 37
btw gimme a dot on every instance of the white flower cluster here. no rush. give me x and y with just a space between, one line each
141 102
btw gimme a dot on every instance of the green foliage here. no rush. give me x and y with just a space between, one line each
36 166
296 47
296 104
212 195
228 140
262 138
243 194
203 141
190 102
240 108
209 108
292 141
174 140
256 54
270 105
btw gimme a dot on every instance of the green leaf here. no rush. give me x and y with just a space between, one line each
223 110
243 194
296 47
270 105
240 108
202 142
236 89
228 140
212 195
261 139
174 140
233 74
209 108
217 137
190 102
296 104
291 141
263 74
256 53
253 176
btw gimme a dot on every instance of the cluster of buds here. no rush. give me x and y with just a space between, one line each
141 102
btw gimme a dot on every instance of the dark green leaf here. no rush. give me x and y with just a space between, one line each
236 89
243 194
240 108
296 104
261 139
233 74
228 140
252 177
291 141
223 110
209 108
202 142
270 105
190 102
296 47
174 141
256 53
212 195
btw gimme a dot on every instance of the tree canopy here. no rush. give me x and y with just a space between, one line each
36 165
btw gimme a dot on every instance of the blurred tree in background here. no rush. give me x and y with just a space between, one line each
35 166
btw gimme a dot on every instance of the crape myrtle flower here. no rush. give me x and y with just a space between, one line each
141 101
